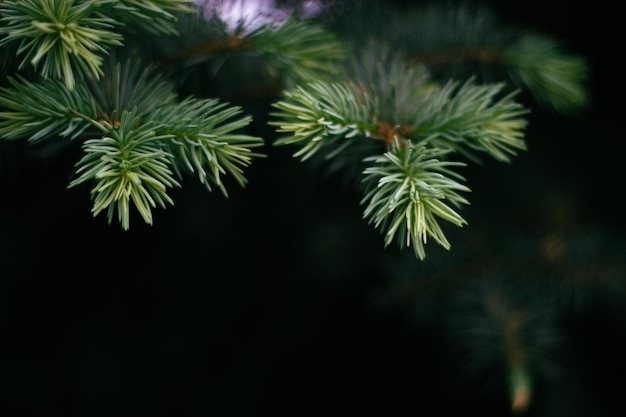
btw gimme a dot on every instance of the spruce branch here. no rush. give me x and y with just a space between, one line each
554 78
318 115
505 321
417 122
470 39
299 51
468 117
59 38
68 39
394 90
151 16
141 154
409 189
129 84
128 164
269 55
44 110
387 98
206 141
138 138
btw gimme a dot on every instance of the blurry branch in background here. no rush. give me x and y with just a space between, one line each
465 39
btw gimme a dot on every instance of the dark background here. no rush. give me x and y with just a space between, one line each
276 299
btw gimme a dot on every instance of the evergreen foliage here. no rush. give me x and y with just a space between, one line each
401 102
142 135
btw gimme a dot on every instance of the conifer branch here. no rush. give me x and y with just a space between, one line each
151 16
474 118
300 51
139 139
533 62
280 54
128 164
68 39
44 110
409 189
206 141
419 122
555 78
129 84
396 118
470 40
58 38
319 115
